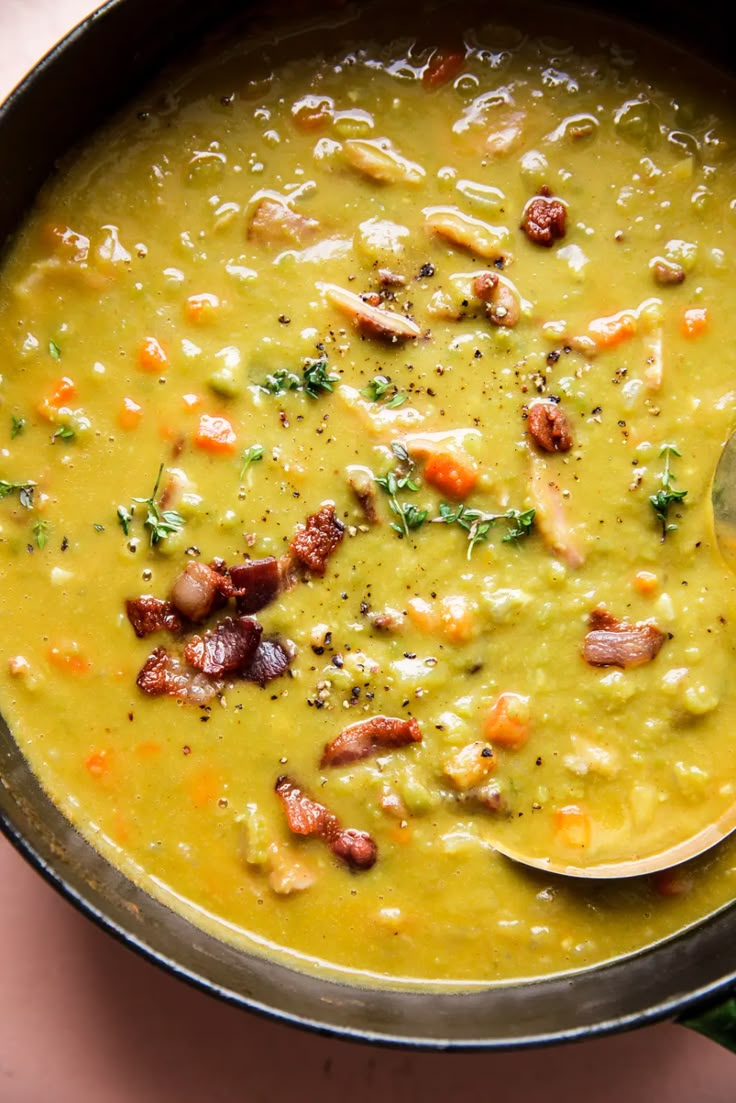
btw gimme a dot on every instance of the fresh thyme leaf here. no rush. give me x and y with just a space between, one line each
478 523
99 528
281 381
667 496
160 523
64 432
400 451
41 533
125 519
398 400
317 380
17 425
377 388
24 491
54 351
400 478
249 456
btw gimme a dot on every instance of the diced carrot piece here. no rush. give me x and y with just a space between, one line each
613 328
69 660
451 617
191 401
120 829
507 723
166 430
442 67
152 356
452 475
98 763
215 434
64 391
312 113
694 321
401 834
646 582
202 309
130 414
572 825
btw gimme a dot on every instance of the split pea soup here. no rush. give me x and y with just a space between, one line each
361 394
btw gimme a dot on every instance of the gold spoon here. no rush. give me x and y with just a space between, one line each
723 499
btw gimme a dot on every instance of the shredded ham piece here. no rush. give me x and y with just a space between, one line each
614 642
197 591
367 737
271 660
308 817
256 583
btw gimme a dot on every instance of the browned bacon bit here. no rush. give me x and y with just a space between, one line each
255 583
387 278
667 272
544 219
614 642
484 285
308 817
314 542
163 673
150 614
231 645
271 660
367 737
197 591
549 427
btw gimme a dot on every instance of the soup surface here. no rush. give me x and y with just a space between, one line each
358 413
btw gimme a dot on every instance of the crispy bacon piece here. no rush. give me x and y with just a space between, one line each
544 219
614 642
256 583
197 591
549 427
306 816
230 646
314 542
163 673
270 660
367 737
150 614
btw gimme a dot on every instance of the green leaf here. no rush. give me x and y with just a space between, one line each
249 456
17 425
667 496
317 379
41 532
125 519
54 351
64 432
280 382
23 489
377 388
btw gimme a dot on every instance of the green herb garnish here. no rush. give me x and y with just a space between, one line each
41 533
667 496
249 456
378 388
315 380
160 523
64 432
24 491
17 425
478 524
401 478
54 351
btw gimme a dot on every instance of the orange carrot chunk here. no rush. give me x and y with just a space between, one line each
201 309
572 825
69 660
646 582
612 329
507 723
694 321
130 414
215 434
452 475
98 763
152 356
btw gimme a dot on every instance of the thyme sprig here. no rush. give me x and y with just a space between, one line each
23 489
399 479
160 523
667 496
315 380
378 389
478 524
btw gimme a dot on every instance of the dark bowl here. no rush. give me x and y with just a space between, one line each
72 90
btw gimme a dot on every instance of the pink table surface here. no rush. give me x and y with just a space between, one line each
83 1020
